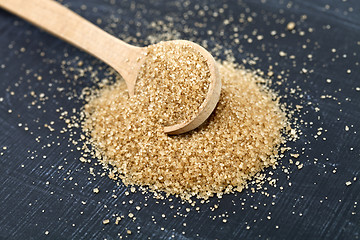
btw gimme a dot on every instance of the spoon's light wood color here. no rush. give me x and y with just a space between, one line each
124 58
69 26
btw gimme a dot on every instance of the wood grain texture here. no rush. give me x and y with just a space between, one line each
72 28
44 186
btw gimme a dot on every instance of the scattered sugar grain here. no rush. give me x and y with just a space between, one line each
118 219
290 26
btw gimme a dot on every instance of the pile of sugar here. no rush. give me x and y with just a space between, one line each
173 81
241 138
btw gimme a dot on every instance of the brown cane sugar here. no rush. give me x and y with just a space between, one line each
175 79
240 139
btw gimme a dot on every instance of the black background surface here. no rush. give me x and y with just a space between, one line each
44 187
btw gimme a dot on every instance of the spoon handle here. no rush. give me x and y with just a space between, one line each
69 26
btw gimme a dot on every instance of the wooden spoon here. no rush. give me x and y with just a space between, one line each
124 58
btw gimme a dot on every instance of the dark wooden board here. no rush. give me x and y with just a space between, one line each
44 187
